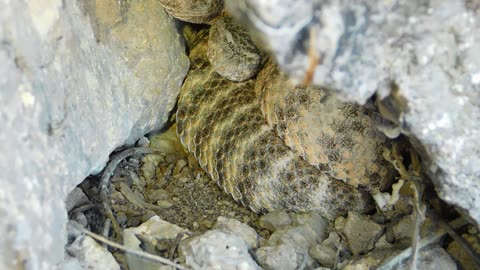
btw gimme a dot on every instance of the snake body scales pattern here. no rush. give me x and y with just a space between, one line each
222 125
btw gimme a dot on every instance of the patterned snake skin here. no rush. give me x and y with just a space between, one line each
221 123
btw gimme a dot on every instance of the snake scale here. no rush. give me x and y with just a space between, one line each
243 137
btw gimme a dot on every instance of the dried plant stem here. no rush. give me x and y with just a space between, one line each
402 256
461 241
137 253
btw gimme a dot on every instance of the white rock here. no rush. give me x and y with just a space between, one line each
151 230
288 248
315 221
361 233
77 82
91 255
76 198
279 257
424 54
217 250
247 233
275 220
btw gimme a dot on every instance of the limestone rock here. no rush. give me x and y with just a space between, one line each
217 250
275 220
77 81
432 257
91 255
152 232
278 257
242 230
403 228
326 252
361 233
315 221
371 260
288 248
76 198
421 57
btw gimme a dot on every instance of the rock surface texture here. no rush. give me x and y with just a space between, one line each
221 123
78 80
421 57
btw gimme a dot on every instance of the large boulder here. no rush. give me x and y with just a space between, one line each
78 79
421 58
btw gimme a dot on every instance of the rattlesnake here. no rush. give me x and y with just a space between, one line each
252 138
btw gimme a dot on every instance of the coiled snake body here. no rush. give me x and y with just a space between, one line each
252 139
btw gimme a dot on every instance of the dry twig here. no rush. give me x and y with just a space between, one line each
137 253
402 256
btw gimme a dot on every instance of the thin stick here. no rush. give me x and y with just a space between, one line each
137 253
419 210
405 254
106 229
461 241
419 218
314 60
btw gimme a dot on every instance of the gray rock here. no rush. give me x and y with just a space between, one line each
425 55
231 51
403 229
279 257
70 95
326 252
247 233
70 263
361 233
315 221
76 198
288 248
324 255
371 260
91 255
422 57
302 236
382 243
80 218
433 258
275 220
154 228
154 195
217 250
152 231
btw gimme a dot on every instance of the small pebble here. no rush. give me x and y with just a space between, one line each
157 195
207 223
361 233
143 142
242 230
164 204
179 165
275 220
